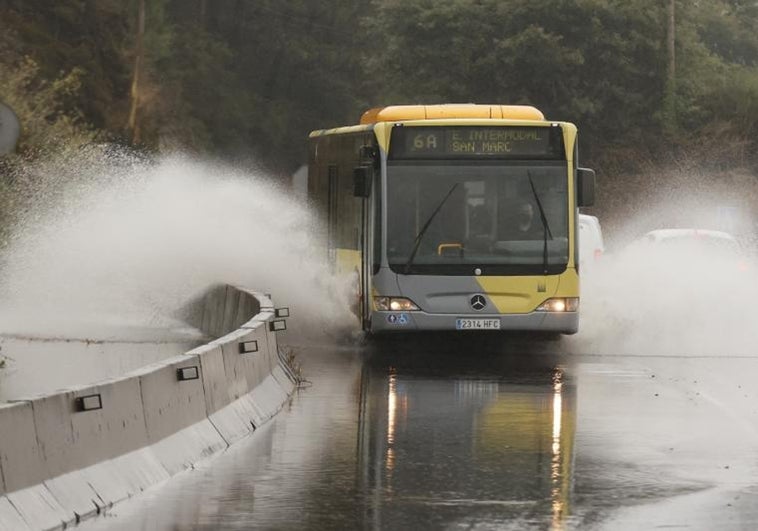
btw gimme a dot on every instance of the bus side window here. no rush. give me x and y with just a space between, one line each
377 223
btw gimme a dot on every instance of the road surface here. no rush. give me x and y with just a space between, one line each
452 434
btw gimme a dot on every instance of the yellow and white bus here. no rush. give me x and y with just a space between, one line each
454 217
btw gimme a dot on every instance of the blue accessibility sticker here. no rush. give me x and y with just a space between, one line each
398 318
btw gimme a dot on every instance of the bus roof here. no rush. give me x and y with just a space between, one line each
399 113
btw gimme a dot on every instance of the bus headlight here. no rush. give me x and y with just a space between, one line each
559 305
394 304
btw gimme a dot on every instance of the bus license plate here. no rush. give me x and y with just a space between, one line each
477 324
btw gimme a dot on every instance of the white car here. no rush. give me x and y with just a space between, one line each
692 246
676 236
591 246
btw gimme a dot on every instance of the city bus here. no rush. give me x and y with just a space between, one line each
454 217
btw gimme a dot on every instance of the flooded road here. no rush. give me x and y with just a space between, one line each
455 435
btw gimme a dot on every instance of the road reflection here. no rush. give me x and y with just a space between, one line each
448 437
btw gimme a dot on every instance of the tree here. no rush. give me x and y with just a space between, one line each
669 99
248 79
136 90
594 62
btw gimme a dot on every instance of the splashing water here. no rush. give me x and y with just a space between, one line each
121 244
657 299
127 243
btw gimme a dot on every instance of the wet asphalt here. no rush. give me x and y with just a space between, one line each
508 433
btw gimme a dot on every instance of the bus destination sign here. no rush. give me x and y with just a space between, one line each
477 142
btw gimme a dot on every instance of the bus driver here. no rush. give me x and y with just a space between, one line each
524 226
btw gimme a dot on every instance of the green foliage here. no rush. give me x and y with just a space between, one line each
590 62
87 35
729 29
245 78
599 63
48 123
296 66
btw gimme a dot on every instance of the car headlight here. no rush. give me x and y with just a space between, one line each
559 305
394 304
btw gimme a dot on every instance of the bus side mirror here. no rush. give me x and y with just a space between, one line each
362 181
369 155
585 187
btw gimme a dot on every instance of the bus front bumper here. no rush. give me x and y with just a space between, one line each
550 322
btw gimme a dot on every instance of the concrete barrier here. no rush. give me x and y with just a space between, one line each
71 454
96 458
223 309
10 519
230 419
23 470
176 414
20 461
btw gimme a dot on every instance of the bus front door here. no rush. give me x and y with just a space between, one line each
365 191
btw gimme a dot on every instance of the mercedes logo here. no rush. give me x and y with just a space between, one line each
478 302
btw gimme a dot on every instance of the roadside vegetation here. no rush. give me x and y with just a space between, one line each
654 91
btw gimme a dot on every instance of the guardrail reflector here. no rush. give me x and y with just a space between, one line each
188 373
248 346
88 403
277 325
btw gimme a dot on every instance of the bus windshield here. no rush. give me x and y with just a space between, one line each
491 219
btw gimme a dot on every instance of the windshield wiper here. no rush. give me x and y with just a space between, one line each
420 235
545 227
